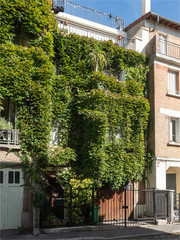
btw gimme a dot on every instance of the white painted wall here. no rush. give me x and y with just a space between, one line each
162 167
140 40
83 27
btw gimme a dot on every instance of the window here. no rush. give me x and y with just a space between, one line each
172 83
1 176
14 177
121 76
175 130
163 44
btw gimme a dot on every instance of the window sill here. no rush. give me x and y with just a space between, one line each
173 95
173 144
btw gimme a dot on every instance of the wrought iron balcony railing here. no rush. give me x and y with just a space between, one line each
169 49
10 137
87 13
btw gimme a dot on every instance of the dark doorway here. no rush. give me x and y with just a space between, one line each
171 181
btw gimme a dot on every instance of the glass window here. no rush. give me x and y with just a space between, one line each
10 177
17 177
175 130
1 176
172 82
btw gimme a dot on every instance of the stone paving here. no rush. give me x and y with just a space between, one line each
168 232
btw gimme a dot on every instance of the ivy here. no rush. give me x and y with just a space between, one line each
101 120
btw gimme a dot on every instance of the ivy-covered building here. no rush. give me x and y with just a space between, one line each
72 107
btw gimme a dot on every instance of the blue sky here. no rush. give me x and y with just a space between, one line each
130 10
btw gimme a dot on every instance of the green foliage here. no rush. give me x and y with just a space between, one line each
101 120
26 78
27 22
81 192
106 118
4 125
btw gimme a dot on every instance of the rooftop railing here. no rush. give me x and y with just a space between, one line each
88 13
169 49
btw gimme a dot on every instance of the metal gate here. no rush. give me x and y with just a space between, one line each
123 207
177 207
161 204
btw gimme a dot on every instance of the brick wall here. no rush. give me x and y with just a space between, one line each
162 124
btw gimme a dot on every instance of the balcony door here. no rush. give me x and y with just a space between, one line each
163 44
9 111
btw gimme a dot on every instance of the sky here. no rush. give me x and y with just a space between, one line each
130 10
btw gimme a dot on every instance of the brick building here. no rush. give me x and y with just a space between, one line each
159 38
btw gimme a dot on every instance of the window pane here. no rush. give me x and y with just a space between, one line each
172 82
174 130
10 177
1 176
17 177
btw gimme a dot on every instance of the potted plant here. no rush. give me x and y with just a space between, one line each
5 126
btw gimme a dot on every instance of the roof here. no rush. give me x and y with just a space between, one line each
153 16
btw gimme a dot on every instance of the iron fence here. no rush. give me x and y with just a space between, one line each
72 207
88 13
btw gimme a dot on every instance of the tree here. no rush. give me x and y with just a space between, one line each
97 58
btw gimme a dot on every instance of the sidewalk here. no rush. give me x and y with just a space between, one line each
97 234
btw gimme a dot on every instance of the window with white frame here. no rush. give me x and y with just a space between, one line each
174 130
172 82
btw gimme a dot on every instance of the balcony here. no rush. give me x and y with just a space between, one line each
87 13
9 138
163 50
168 49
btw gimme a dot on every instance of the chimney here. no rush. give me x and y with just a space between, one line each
146 6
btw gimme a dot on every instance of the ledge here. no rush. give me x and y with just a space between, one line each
173 144
173 95
168 59
9 146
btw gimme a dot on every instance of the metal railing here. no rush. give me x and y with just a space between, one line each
9 137
88 13
169 49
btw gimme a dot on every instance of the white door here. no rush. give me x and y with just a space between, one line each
11 198
163 44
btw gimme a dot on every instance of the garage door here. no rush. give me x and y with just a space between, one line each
11 198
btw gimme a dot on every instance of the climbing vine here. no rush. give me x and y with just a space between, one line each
100 117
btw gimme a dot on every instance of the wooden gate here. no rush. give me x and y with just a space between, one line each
114 205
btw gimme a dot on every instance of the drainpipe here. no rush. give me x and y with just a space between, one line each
157 22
